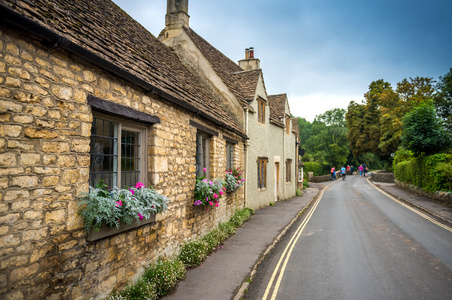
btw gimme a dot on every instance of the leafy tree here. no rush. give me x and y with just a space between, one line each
327 141
443 99
423 132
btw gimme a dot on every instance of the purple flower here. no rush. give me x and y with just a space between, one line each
140 216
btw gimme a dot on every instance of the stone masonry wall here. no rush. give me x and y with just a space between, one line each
44 165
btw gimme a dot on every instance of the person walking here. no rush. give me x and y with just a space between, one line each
365 169
333 173
360 169
351 169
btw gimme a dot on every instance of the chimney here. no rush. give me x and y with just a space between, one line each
176 14
249 63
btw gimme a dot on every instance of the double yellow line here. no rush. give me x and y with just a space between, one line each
282 263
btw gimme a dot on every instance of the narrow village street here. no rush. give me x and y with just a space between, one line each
357 243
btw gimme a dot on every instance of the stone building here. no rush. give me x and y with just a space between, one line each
74 75
271 157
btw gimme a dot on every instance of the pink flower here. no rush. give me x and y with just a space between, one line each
204 170
221 192
210 203
132 191
215 195
139 185
118 203
140 216
217 204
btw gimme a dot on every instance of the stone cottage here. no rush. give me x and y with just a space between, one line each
80 83
271 157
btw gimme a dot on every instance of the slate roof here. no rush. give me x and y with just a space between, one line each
241 83
278 104
104 29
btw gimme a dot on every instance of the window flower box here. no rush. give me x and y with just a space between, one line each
111 211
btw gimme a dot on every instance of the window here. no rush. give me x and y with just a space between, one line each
262 173
229 155
288 170
116 152
287 124
300 174
202 154
261 111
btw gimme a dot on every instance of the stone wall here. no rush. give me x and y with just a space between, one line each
381 176
44 165
445 197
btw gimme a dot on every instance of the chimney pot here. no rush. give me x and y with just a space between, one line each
251 51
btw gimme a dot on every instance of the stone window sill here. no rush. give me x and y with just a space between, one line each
106 231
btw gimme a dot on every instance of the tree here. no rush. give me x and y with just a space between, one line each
443 99
423 132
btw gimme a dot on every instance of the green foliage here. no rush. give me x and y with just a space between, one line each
431 173
160 277
423 132
194 253
305 183
164 274
234 179
241 216
443 100
298 192
314 167
325 140
401 155
111 207
208 193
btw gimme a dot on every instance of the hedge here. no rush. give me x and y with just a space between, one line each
431 173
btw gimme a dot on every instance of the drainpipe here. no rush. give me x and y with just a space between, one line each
246 158
284 160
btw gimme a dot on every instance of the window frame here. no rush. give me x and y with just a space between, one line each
288 124
261 111
127 125
288 170
203 147
262 163
229 155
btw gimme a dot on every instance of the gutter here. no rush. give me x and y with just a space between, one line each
52 39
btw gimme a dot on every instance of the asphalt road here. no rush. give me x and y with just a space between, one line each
357 243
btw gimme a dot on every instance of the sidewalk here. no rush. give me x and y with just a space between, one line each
224 274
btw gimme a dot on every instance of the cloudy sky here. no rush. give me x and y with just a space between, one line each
322 53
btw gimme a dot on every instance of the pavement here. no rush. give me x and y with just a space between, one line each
226 273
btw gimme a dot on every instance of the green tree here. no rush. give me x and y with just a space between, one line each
443 99
423 132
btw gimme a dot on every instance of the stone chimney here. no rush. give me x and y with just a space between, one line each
176 14
249 63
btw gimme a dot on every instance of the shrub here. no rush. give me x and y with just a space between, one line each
241 216
305 183
214 239
194 253
314 167
141 290
298 192
227 228
164 274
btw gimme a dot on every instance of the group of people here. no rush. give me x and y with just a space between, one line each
343 171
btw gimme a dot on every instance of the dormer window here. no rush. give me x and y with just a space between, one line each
260 111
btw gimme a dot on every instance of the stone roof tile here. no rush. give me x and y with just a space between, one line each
104 29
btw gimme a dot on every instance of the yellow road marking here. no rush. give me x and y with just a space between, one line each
411 208
285 258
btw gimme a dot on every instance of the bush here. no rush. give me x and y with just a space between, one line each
140 290
431 173
314 167
164 274
298 192
227 228
305 183
241 216
194 253
214 239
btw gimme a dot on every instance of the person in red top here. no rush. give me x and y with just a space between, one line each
333 173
